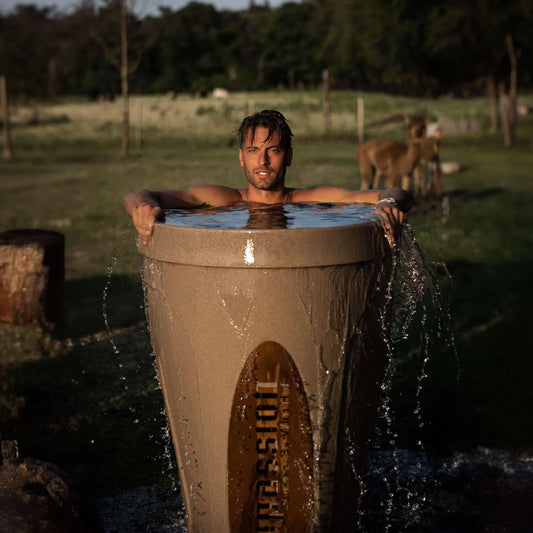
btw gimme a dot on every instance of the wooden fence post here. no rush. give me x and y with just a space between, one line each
6 134
325 100
360 119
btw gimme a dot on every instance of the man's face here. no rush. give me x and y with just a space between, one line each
264 161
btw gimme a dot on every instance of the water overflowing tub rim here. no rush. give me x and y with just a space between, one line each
267 248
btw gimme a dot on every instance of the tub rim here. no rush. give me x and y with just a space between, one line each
267 248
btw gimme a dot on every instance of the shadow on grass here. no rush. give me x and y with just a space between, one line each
89 300
12 171
490 402
424 206
85 398
95 413
467 195
58 150
482 395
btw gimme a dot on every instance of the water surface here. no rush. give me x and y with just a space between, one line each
261 216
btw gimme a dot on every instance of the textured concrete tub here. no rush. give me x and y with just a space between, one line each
270 351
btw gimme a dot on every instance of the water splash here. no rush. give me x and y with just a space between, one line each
414 320
105 293
163 498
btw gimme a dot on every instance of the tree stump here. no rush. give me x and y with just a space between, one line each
32 274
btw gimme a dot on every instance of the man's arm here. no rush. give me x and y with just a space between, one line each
402 198
390 204
145 207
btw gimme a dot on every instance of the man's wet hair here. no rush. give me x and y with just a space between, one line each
271 119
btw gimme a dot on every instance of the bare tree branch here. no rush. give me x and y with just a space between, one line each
112 56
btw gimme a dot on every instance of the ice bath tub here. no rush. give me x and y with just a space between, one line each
268 335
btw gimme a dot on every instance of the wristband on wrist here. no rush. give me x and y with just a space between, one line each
387 200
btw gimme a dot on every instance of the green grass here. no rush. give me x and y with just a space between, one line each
69 398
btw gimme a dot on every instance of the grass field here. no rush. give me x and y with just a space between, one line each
69 397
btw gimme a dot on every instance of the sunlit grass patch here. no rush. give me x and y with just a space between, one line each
197 120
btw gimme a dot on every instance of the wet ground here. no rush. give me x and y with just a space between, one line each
480 491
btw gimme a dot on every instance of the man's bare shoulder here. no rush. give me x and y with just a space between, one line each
216 194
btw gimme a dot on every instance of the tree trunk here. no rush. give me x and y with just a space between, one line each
139 129
32 273
260 71
493 102
6 133
52 75
124 81
505 116
513 76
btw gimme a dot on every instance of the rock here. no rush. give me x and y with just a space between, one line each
220 93
450 167
36 496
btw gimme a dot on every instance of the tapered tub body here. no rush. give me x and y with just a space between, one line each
270 349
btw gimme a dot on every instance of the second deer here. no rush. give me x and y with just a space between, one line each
427 174
399 161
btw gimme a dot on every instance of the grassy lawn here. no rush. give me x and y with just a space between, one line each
88 400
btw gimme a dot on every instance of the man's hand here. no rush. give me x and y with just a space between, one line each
144 208
144 217
391 219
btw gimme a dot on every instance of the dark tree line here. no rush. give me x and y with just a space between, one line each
405 46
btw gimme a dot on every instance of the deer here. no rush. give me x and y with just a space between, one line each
399 161
429 157
396 160
375 156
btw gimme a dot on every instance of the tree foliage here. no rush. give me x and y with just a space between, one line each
391 45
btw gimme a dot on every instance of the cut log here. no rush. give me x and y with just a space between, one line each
32 275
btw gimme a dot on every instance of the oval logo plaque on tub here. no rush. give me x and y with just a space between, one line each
270 454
